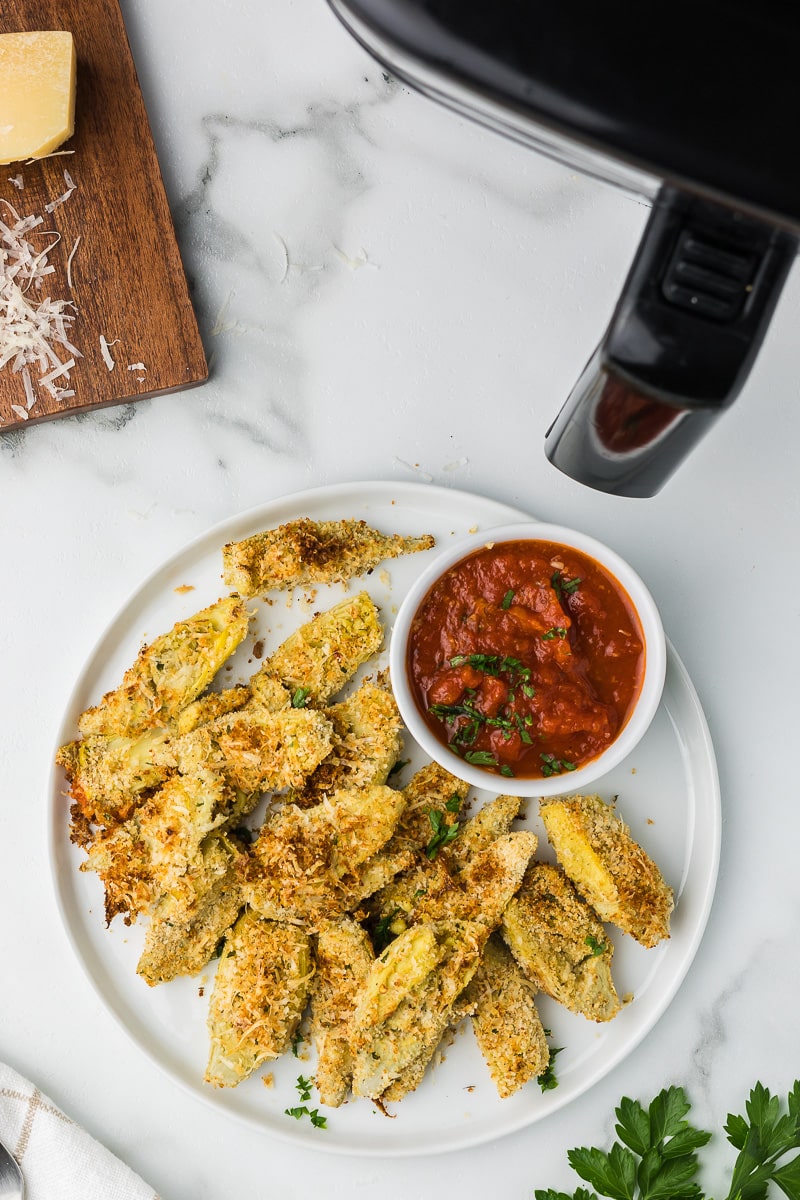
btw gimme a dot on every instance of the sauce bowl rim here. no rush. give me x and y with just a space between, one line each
644 708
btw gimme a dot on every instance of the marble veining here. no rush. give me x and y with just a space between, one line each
386 291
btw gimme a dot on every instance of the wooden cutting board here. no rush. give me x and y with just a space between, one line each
127 279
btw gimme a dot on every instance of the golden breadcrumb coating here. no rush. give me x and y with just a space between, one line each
366 744
171 672
405 1004
507 1027
343 956
609 869
319 658
305 552
560 944
260 991
211 706
186 925
305 861
254 749
108 776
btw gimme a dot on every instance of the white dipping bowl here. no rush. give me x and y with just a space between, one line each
641 713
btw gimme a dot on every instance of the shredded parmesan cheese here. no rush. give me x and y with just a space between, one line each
136 367
69 260
34 329
106 353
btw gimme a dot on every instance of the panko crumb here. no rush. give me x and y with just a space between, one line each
183 589
385 578
268 1080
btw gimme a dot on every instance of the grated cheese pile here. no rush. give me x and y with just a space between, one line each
35 329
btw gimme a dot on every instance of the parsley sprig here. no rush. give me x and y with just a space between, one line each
443 832
655 1157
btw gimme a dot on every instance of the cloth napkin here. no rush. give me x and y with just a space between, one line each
60 1161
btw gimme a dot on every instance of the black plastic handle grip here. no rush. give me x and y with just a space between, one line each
686 330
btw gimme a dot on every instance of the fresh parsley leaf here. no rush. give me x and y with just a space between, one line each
317 1121
547 1080
303 1086
300 696
443 834
454 803
481 758
613 1174
597 948
554 766
297 1042
655 1158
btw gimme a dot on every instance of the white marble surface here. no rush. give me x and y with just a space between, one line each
387 292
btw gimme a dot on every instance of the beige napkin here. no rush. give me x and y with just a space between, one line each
60 1161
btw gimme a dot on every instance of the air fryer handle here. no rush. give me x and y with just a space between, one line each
688 325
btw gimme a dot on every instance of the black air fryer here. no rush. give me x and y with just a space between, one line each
693 106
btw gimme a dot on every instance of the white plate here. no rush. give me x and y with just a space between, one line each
668 793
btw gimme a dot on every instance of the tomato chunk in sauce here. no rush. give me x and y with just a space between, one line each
526 658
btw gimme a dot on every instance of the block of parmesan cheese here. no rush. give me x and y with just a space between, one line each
37 93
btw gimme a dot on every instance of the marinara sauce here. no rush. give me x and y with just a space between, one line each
526 658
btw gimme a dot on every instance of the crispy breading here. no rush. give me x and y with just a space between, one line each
256 750
305 861
609 869
320 657
260 992
109 776
187 925
122 861
507 1027
559 943
171 672
342 958
366 743
430 789
211 706
485 886
305 552
405 1004
489 823
151 852
422 892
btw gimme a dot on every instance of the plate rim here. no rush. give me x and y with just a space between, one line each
471 1135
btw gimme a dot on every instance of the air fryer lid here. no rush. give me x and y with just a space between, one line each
701 94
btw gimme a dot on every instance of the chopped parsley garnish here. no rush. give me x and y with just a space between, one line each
303 1086
597 948
297 1042
300 697
507 600
492 664
548 1080
564 587
553 632
507 771
555 766
481 758
313 1115
443 834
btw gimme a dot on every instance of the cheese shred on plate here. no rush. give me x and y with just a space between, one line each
35 329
